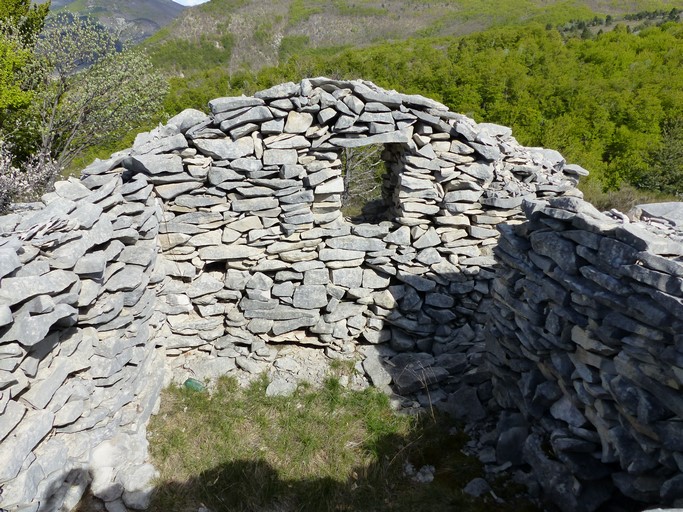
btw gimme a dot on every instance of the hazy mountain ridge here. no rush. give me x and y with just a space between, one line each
135 20
262 32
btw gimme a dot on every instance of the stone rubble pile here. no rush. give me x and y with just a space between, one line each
585 351
256 250
79 376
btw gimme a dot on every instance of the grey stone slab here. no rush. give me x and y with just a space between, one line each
418 282
280 312
399 237
172 190
616 253
10 418
395 137
42 390
375 280
463 196
317 276
317 177
209 238
388 98
332 255
227 104
19 443
250 191
71 189
199 200
344 310
188 118
285 326
344 123
141 254
489 152
9 262
156 164
311 296
87 214
225 149
280 157
18 289
218 175
254 204
105 310
257 115
284 90
287 142
228 252
91 263
347 277
191 324
99 167
560 250
478 170
126 279
412 183
671 211
481 233
160 145
429 239
200 218
410 378
203 285
243 131
5 315
249 165
326 115
356 243
659 280
642 239
298 122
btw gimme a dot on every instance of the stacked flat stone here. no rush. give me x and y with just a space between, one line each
586 343
77 299
255 251
255 245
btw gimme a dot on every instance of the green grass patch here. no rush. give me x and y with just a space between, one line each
292 45
356 8
320 449
301 10
623 198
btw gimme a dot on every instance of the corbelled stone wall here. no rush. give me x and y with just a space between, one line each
219 236
77 370
257 249
585 341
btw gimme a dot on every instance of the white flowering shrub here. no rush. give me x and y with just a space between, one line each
26 182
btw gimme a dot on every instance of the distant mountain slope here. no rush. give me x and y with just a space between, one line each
136 20
257 34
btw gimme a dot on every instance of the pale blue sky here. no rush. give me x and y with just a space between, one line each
190 2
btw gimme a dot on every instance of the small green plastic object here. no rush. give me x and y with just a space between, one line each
194 385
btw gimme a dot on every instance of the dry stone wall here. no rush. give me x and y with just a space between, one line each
78 375
257 250
585 342
218 237
243 204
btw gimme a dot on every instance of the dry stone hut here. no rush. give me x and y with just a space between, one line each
218 238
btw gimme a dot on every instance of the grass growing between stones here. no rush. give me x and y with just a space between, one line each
318 450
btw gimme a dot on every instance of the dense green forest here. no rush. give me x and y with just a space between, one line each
607 93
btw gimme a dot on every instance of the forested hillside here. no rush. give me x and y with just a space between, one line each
612 102
251 34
